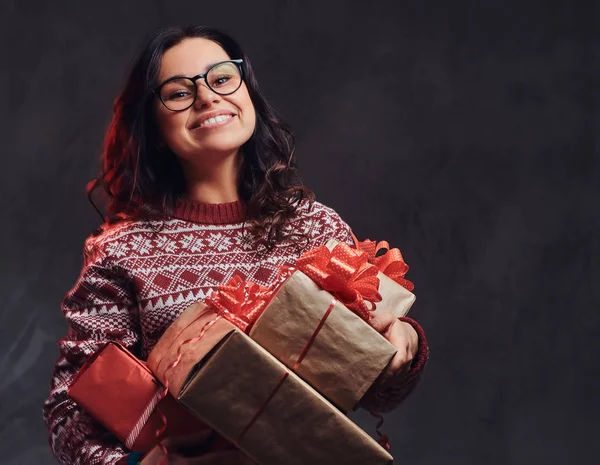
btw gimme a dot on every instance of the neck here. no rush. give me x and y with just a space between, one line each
214 182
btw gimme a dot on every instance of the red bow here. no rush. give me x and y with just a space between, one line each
239 301
389 261
346 273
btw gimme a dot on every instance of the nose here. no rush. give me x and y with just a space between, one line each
205 96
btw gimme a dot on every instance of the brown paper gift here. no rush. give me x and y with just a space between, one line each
231 382
394 298
347 354
122 394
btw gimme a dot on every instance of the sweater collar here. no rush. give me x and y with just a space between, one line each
210 213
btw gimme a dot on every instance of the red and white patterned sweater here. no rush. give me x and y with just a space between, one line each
138 277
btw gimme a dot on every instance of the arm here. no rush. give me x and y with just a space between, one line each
389 391
99 308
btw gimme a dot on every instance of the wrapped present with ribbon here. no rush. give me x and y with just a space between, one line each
248 396
395 290
121 393
315 321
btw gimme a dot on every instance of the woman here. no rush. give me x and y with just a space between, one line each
201 182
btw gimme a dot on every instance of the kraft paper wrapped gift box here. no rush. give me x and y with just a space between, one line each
122 394
347 354
244 393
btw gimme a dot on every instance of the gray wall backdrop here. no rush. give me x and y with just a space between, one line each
464 132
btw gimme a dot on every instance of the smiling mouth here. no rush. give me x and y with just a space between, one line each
215 121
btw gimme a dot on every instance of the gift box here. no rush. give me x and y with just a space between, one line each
326 344
394 298
122 394
243 392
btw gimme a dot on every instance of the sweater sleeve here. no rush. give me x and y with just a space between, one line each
100 307
387 393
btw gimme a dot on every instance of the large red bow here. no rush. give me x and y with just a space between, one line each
239 301
389 261
346 273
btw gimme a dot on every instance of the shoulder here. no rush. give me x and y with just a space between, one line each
321 223
312 210
113 240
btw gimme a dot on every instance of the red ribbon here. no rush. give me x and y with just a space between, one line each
346 273
261 408
384 441
388 261
171 366
240 302
286 374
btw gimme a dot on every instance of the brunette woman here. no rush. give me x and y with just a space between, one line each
201 182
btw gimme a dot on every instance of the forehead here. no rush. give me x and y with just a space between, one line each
190 57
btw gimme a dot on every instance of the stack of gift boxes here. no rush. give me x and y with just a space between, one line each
273 370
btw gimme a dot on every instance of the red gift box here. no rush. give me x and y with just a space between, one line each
122 394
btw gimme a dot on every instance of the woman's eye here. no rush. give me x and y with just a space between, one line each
179 95
219 81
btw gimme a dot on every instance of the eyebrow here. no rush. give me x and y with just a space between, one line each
210 65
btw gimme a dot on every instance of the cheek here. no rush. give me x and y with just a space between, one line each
251 120
242 99
249 112
170 124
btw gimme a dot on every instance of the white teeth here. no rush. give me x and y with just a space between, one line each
216 119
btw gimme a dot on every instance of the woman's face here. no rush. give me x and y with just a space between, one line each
181 130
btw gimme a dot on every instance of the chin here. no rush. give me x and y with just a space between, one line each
212 145
211 150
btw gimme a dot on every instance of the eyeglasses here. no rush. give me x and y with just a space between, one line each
179 93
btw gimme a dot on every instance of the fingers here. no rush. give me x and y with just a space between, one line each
402 336
382 321
400 360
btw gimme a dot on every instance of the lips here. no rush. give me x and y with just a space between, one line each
213 118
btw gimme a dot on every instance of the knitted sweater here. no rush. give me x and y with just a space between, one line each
138 277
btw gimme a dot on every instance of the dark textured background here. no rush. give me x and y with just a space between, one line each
464 132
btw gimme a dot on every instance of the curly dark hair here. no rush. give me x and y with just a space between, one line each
144 183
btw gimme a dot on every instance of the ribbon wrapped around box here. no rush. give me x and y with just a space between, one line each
244 393
122 394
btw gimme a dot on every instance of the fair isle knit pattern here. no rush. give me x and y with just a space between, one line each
138 277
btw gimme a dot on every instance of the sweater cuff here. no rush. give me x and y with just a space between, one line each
420 359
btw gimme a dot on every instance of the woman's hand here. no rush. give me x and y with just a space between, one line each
402 336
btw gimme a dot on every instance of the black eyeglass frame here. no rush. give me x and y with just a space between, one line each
238 62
